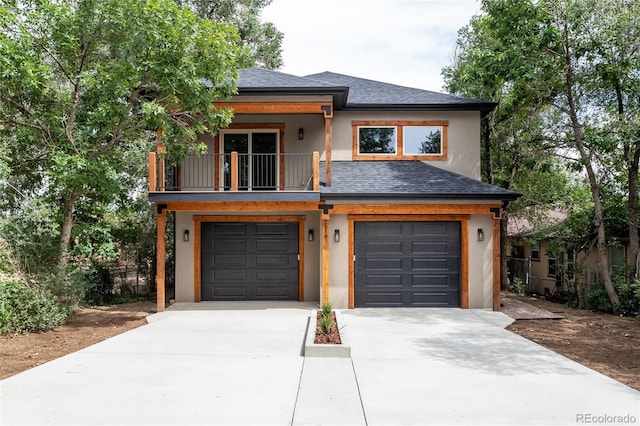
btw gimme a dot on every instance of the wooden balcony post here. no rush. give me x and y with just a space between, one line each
316 171
161 150
325 259
234 171
153 182
328 140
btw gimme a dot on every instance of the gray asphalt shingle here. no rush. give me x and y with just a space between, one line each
410 179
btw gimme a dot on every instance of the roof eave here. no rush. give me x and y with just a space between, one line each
484 108
339 94
397 195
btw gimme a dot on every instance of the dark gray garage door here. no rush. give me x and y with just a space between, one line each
407 264
249 261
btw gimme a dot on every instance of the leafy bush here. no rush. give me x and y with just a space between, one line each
628 293
100 284
28 307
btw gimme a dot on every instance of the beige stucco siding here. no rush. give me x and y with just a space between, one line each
463 136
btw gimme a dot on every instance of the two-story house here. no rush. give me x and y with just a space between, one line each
335 188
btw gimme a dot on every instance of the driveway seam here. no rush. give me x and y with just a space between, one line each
355 376
295 404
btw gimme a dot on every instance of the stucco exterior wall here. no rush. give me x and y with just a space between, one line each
463 154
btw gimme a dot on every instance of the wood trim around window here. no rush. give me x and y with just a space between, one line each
399 125
197 266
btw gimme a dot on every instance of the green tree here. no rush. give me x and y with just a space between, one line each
571 63
262 39
84 84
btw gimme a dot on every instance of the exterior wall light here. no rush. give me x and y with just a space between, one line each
336 235
185 236
300 133
480 234
310 235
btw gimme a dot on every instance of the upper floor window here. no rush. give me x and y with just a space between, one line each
401 140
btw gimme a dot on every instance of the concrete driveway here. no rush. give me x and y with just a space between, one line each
239 363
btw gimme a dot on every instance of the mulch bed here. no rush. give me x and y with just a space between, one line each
323 338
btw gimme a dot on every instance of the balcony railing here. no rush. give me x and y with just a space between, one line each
236 172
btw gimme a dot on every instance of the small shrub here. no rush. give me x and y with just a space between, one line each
326 324
101 284
628 293
27 307
326 309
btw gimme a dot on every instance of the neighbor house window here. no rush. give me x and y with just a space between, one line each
399 140
551 270
535 251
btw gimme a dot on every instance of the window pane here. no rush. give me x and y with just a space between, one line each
377 140
420 140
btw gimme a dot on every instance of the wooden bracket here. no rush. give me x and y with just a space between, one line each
325 208
497 212
327 110
160 208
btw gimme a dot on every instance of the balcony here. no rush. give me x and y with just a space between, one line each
235 176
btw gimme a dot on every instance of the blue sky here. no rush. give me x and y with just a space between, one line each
404 42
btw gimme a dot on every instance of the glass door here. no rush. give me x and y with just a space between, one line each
257 159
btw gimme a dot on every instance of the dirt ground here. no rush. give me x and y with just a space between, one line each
84 328
606 343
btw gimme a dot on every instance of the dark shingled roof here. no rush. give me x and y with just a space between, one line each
370 92
353 93
405 179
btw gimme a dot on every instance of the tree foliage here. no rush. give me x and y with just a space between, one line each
83 87
262 39
566 76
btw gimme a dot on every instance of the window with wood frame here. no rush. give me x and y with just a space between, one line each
399 140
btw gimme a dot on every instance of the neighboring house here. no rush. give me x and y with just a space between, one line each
335 188
536 256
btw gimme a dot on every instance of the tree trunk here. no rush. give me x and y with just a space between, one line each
585 157
69 202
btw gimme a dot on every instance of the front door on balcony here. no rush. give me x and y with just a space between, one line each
257 159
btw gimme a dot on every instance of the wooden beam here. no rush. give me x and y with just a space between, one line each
160 260
496 264
242 206
328 141
153 178
352 266
234 171
464 263
279 107
325 259
409 209
161 150
316 171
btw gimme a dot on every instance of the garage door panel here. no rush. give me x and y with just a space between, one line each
426 247
430 299
425 273
247 261
230 229
430 264
229 291
390 280
381 263
381 247
270 292
272 229
383 299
